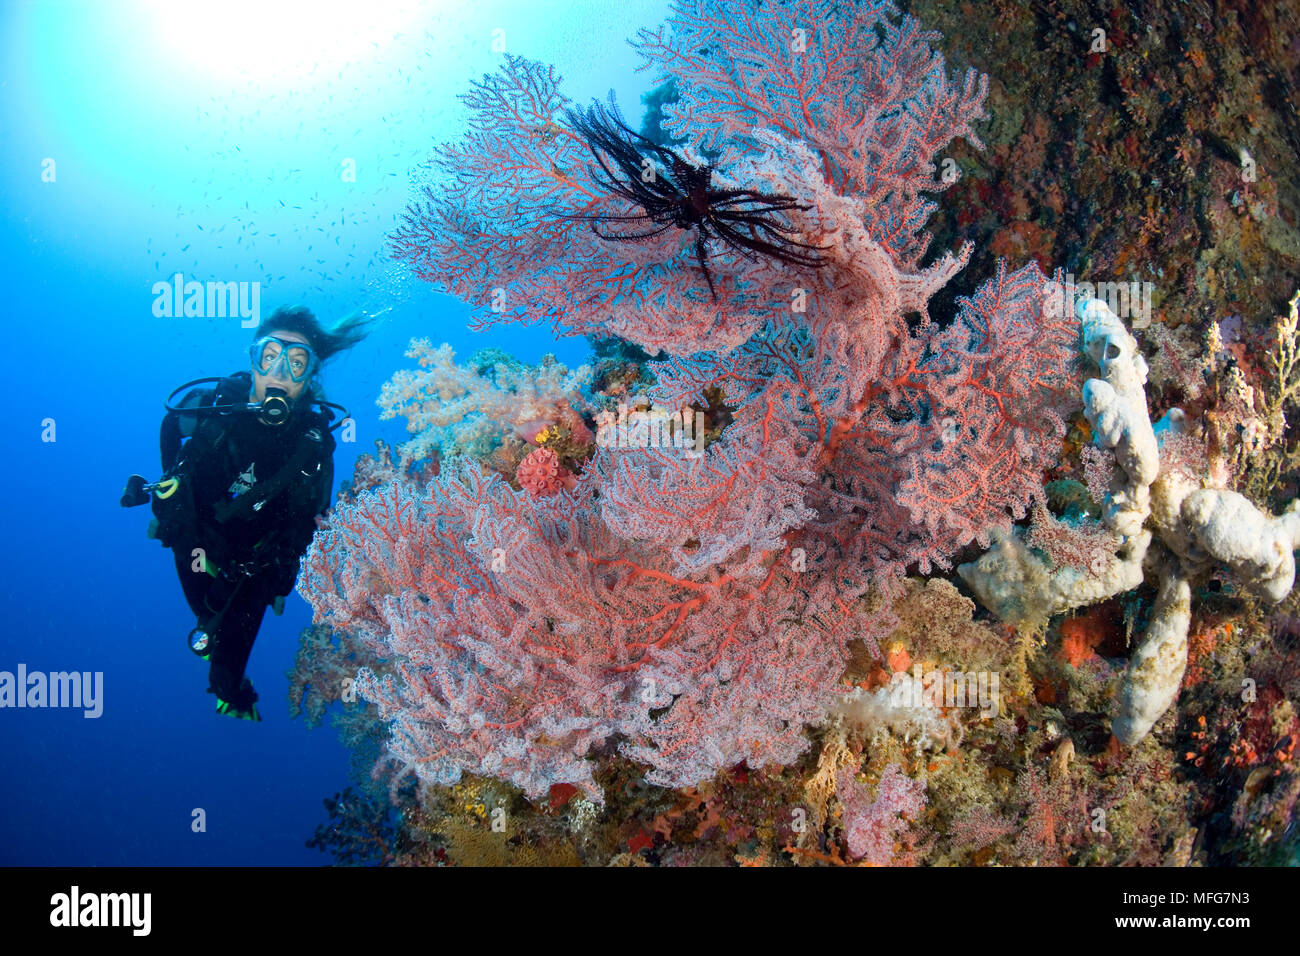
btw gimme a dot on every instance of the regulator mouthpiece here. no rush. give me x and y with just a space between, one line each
275 408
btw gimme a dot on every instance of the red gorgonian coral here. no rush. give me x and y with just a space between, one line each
697 605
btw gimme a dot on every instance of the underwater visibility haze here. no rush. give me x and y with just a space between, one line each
735 432
208 140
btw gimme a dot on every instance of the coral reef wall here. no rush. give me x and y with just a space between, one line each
687 633
697 603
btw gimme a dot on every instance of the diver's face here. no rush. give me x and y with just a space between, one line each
278 377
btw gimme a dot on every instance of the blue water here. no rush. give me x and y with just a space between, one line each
188 139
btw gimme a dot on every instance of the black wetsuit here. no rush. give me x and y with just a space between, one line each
249 496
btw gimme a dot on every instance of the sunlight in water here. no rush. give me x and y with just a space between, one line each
277 40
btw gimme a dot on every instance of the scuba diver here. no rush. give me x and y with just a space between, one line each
247 467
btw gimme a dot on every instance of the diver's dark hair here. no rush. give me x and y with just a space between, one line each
325 342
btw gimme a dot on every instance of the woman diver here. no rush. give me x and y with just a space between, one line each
248 466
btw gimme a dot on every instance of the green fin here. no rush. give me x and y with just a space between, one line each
228 710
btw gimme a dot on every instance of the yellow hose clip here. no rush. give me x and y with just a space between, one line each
167 487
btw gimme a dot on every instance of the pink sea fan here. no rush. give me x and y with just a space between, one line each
504 228
998 375
867 92
740 686
697 603
523 633
742 495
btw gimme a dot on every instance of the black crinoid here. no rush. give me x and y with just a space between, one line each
681 195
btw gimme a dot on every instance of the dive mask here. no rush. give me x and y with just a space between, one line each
294 360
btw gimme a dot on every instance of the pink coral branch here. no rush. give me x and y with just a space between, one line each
697 604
